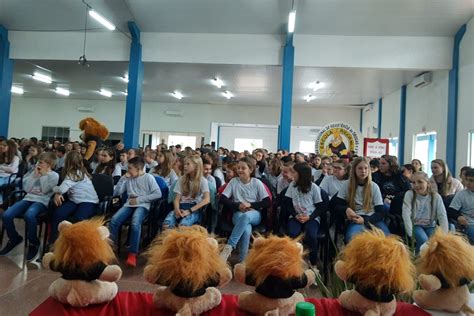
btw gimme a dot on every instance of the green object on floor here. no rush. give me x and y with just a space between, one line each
305 309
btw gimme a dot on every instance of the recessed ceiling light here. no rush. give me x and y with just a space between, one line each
217 82
316 85
177 95
105 93
125 92
42 78
62 91
227 94
17 90
99 18
124 78
309 97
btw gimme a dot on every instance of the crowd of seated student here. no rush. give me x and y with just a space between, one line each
362 191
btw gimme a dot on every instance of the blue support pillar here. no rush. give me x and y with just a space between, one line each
361 120
401 136
379 125
453 103
134 97
6 77
284 130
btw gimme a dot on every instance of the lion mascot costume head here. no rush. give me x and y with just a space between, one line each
446 267
82 254
94 133
186 265
274 266
379 267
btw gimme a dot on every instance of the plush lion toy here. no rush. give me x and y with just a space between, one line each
185 262
446 267
274 266
379 267
93 134
82 255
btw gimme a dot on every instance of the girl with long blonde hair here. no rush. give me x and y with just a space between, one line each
421 208
442 181
192 195
360 200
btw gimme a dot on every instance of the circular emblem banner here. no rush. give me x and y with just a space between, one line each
337 138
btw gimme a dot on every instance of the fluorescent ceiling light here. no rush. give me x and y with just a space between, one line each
105 93
17 90
217 82
125 92
62 91
99 18
309 97
316 85
227 94
42 78
291 21
177 95
124 78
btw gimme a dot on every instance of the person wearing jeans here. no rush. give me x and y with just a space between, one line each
141 189
172 221
78 212
38 185
245 196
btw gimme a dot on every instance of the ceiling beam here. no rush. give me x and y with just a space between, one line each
382 52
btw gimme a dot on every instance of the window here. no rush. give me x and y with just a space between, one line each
184 141
471 148
425 150
52 133
306 147
242 144
393 146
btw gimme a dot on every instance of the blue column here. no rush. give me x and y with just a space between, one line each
379 126
361 120
134 97
284 130
6 77
401 135
453 103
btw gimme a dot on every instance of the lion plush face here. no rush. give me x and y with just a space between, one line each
277 256
92 127
82 245
447 254
376 261
185 255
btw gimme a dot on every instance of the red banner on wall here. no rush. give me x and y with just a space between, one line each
375 147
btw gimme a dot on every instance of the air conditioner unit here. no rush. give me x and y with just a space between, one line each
177 113
86 109
422 80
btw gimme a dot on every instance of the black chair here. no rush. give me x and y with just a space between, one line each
14 180
104 187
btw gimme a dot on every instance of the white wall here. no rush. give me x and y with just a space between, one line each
465 95
28 115
391 115
427 110
370 120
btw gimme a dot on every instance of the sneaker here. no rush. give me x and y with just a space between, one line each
11 244
226 251
131 260
32 253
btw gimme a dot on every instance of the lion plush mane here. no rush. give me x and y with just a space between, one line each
184 256
376 261
276 256
92 127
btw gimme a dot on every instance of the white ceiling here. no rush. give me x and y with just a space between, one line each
251 85
322 17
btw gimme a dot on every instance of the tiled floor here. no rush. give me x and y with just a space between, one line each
22 290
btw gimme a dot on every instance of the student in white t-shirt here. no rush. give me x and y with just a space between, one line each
306 208
192 194
361 201
461 208
333 183
246 196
